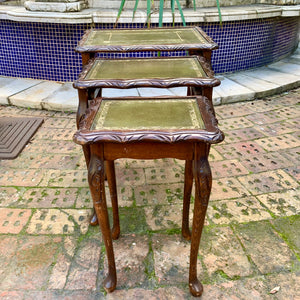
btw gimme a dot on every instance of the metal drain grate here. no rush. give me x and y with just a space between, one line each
15 134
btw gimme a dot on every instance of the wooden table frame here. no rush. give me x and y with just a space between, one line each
190 145
201 48
86 88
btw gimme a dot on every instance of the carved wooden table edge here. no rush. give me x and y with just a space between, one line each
197 85
212 134
209 45
193 148
208 81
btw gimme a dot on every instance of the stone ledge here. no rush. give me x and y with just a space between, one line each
73 6
94 15
22 15
237 87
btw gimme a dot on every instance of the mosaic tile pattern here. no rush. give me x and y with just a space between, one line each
40 50
46 51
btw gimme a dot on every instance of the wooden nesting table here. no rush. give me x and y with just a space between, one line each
178 127
191 39
161 72
150 128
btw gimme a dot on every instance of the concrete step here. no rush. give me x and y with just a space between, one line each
12 86
34 95
241 86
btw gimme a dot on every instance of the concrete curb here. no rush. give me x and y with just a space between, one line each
241 86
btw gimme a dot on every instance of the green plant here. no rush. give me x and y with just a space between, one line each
151 9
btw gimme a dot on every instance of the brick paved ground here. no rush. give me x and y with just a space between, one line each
251 241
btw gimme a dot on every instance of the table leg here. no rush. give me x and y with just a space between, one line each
188 184
86 57
203 181
202 91
111 179
203 53
84 99
83 96
82 106
87 154
207 56
206 92
96 178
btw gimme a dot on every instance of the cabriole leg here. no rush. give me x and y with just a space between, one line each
82 106
111 179
203 181
96 178
188 184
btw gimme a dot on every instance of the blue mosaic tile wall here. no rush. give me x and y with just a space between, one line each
46 51
252 43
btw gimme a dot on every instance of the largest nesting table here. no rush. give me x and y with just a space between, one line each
161 72
151 128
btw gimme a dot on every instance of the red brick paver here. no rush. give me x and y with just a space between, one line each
250 242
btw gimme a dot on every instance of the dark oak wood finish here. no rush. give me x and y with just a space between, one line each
191 145
191 39
201 82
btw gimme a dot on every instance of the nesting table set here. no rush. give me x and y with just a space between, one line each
149 127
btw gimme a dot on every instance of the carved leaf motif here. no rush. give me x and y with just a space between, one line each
94 174
204 181
167 83
210 135
86 137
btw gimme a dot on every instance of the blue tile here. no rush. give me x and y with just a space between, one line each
46 51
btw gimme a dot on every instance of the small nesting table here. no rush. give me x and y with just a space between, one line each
150 128
161 72
191 39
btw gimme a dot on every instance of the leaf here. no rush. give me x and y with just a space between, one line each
148 12
173 11
275 290
219 12
161 13
119 12
181 12
135 8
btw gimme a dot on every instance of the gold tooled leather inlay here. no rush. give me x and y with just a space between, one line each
168 36
151 68
148 114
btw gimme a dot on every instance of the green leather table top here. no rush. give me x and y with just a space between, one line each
139 37
136 39
126 69
148 114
